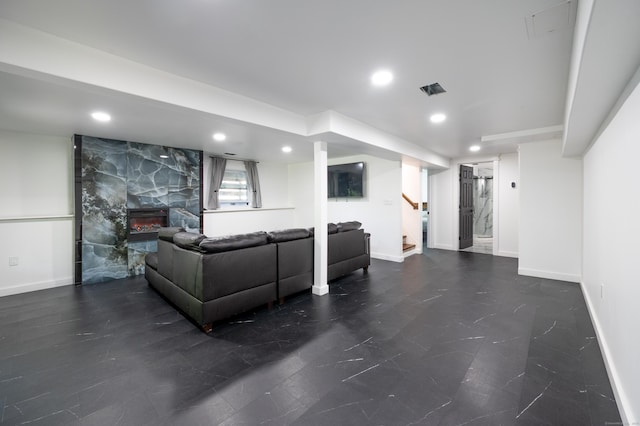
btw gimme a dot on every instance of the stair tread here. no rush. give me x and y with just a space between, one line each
406 247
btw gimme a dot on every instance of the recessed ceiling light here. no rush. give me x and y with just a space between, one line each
286 149
219 137
381 78
438 118
101 116
474 148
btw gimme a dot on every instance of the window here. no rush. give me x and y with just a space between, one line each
234 190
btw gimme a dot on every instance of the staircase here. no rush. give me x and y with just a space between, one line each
406 246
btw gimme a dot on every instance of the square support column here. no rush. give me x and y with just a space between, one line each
321 240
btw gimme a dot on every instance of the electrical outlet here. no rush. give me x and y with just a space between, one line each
13 261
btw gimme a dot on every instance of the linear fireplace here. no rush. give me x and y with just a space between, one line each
144 223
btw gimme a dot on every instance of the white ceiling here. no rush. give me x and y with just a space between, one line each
504 65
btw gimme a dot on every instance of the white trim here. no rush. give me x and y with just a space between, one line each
320 290
444 247
36 218
42 285
246 209
389 257
508 254
320 214
549 275
411 252
495 205
523 133
624 406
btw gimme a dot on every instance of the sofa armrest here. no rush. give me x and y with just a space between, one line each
151 260
367 243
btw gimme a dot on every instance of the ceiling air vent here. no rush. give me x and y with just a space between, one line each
433 89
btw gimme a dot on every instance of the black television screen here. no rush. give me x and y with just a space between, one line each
346 180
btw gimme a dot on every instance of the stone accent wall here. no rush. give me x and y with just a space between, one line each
117 175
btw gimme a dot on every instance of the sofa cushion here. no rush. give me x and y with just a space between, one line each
288 235
167 234
233 242
188 240
332 228
349 226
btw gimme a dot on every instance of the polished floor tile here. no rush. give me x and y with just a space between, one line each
445 338
481 245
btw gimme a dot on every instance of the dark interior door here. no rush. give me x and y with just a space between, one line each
466 206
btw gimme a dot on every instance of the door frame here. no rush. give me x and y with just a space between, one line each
456 198
466 206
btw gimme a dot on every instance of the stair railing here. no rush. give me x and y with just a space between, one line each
408 200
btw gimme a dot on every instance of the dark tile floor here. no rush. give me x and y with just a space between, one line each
445 338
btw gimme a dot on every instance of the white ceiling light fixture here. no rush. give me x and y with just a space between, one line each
381 78
286 149
220 137
101 116
474 148
437 118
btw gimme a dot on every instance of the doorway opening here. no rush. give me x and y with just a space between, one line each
424 207
483 192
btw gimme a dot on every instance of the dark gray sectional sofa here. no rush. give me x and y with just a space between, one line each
210 279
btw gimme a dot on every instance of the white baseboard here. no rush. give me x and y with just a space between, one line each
549 275
444 247
624 406
411 252
507 253
26 288
382 256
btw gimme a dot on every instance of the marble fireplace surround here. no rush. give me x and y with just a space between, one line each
112 176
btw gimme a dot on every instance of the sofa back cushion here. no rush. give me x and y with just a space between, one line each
288 235
346 245
332 228
188 240
349 226
233 242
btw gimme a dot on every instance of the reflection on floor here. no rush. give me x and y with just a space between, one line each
445 338
481 245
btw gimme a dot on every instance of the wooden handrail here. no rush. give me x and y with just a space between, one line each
414 205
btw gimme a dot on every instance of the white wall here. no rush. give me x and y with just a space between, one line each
412 219
276 212
230 222
550 227
611 251
36 213
507 205
380 211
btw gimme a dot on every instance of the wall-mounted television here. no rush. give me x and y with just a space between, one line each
346 180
